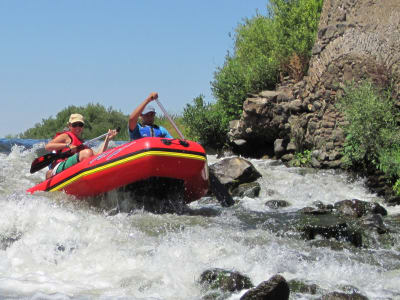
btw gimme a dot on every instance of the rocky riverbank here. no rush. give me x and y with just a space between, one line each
303 114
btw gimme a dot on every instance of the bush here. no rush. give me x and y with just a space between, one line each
371 130
295 27
205 123
301 159
266 47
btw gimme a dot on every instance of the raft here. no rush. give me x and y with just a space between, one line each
137 161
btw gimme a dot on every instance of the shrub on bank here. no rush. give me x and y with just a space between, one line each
266 49
98 120
372 130
205 123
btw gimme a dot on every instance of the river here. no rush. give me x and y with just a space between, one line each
53 246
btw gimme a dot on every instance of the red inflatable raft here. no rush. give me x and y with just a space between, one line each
133 162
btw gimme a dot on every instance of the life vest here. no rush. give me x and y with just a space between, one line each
150 131
76 141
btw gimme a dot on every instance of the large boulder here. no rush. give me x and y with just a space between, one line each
275 288
234 171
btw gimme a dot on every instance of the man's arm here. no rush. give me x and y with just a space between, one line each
166 133
133 118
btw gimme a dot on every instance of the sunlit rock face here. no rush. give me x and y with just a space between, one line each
357 39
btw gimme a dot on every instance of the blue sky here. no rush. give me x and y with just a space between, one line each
59 53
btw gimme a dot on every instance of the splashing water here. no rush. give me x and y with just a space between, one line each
53 246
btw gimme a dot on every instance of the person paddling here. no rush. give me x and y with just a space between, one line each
145 128
71 140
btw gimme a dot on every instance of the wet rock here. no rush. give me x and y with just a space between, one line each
331 244
374 222
343 296
9 239
275 288
328 227
315 163
393 200
321 205
297 286
225 280
235 171
251 190
279 147
314 211
287 157
357 208
215 295
275 204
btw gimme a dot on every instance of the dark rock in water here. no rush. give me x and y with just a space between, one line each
225 280
275 288
331 244
322 206
7 240
393 200
297 286
251 190
343 296
374 222
329 226
358 208
274 204
314 211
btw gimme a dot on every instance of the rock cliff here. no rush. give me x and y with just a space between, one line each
357 39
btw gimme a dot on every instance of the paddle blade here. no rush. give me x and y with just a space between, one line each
220 191
43 161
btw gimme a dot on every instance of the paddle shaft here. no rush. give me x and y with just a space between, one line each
97 138
170 119
218 189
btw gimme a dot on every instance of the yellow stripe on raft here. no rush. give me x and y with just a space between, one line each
125 160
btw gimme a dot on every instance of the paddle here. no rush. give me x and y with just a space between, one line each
45 160
217 188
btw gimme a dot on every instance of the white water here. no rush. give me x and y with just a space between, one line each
65 249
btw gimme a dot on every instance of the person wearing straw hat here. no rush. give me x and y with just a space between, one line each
70 140
145 128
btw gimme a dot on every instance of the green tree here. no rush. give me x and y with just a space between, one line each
266 47
371 131
203 123
295 26
98 120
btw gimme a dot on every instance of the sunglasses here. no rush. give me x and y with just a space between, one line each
77 124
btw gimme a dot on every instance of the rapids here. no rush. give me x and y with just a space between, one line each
53 246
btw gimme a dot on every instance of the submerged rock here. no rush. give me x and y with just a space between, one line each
251 190
275 204
343 296
297 286
225 280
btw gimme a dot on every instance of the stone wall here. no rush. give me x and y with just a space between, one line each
357 39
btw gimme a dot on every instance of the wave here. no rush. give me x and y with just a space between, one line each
7 144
